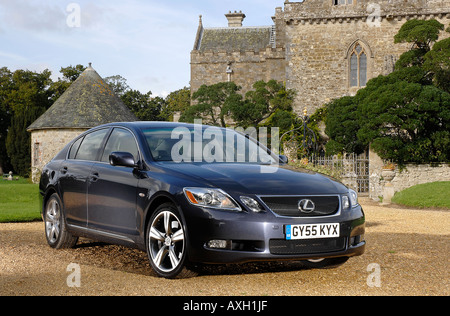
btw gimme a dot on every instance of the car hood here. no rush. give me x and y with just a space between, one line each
258 179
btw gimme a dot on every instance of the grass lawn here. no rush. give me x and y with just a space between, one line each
435 194
19 201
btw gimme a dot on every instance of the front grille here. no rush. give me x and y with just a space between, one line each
288 205
307 246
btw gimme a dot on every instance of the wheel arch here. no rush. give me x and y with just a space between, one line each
46 196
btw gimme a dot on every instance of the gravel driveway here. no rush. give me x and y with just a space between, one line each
407 253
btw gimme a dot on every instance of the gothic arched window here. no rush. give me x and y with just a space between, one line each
358 66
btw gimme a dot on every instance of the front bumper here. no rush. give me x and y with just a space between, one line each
248 237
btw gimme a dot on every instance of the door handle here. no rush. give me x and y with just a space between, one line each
94 177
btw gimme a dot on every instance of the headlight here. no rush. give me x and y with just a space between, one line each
350 200
214 198
252 204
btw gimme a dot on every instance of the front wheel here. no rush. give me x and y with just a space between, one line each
166 243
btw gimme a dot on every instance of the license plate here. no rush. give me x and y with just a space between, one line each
312 231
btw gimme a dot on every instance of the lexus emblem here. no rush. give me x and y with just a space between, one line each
306 206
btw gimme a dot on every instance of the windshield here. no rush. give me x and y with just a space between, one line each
200 144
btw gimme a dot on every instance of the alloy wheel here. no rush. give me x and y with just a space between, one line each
166 242
53 221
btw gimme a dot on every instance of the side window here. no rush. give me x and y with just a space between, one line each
74 149
120 140
91 144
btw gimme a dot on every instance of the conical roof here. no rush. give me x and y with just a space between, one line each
87 103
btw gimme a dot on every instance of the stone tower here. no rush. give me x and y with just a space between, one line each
87 103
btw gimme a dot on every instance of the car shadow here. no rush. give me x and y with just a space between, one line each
121 258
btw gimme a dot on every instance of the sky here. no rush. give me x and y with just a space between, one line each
147 42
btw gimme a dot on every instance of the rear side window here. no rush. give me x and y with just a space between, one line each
120 140
74 149
91 144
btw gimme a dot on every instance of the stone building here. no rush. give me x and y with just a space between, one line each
236 53
324 49
87 103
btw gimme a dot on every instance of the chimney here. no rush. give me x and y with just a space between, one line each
235 19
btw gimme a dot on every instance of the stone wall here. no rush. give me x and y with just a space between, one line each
45 144
248 67
384 183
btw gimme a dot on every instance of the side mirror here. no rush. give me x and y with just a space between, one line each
284 159
123 159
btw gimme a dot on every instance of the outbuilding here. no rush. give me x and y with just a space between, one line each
87 103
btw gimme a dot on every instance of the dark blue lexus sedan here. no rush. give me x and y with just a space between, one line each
189 194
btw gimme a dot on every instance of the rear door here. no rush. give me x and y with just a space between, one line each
75 173
112 190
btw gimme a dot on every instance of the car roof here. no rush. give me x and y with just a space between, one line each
151 124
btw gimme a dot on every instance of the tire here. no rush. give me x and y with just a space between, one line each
328 263
167 243
55 225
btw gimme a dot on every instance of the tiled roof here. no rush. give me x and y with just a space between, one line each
232 39
88 102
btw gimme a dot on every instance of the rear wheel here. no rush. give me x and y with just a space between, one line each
166 243
55 225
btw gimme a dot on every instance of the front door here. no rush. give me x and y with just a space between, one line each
112 190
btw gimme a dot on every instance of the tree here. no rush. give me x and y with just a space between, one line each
342 126
5 116
118 84
437 62
28 98
213 103
144 106
177 101
265 100
405 122
421 34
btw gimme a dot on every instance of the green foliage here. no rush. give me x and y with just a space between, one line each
437 62
266 99
404 122
342 125
177 101
27 97
19 201
144 106
213 103
433 194
419 32
118 84
219 103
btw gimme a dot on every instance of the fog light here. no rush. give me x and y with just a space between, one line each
217 243
356 240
